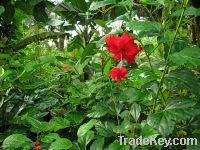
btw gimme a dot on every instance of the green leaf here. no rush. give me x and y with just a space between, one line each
188 56
49 138
100 22
89 51
162 122
107 67
190 11
83 129
78 4
185 78
148 131
5 56
58 123
33 2
37 125
98 4
79 68
6 74
2 9
105 129
86 139
1 71
145 26
161 2
116 146
98 111
15 141
61 144
135 111
177 108
181 108
47 59
74 43
97 144
75 117
31 66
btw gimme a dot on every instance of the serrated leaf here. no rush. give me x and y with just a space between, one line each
83 129
185 78
177 108
162 122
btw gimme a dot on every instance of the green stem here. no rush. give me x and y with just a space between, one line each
167 59
112 97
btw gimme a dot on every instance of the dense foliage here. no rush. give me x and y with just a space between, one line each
56 90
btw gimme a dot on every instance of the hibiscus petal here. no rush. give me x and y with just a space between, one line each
112 42
129 48
129 58
117 56
126 41
118 74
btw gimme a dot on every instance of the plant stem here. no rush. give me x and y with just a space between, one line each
167 59
112 97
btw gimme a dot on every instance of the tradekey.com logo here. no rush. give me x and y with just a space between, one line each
157 141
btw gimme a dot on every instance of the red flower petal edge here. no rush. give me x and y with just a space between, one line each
118 74
123 47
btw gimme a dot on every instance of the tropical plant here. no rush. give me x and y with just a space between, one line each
78 74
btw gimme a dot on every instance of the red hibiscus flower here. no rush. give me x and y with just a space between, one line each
123 47
118 74
37 146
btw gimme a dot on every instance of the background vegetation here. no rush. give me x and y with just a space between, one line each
54 74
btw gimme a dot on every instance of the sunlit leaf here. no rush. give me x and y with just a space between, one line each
86 127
